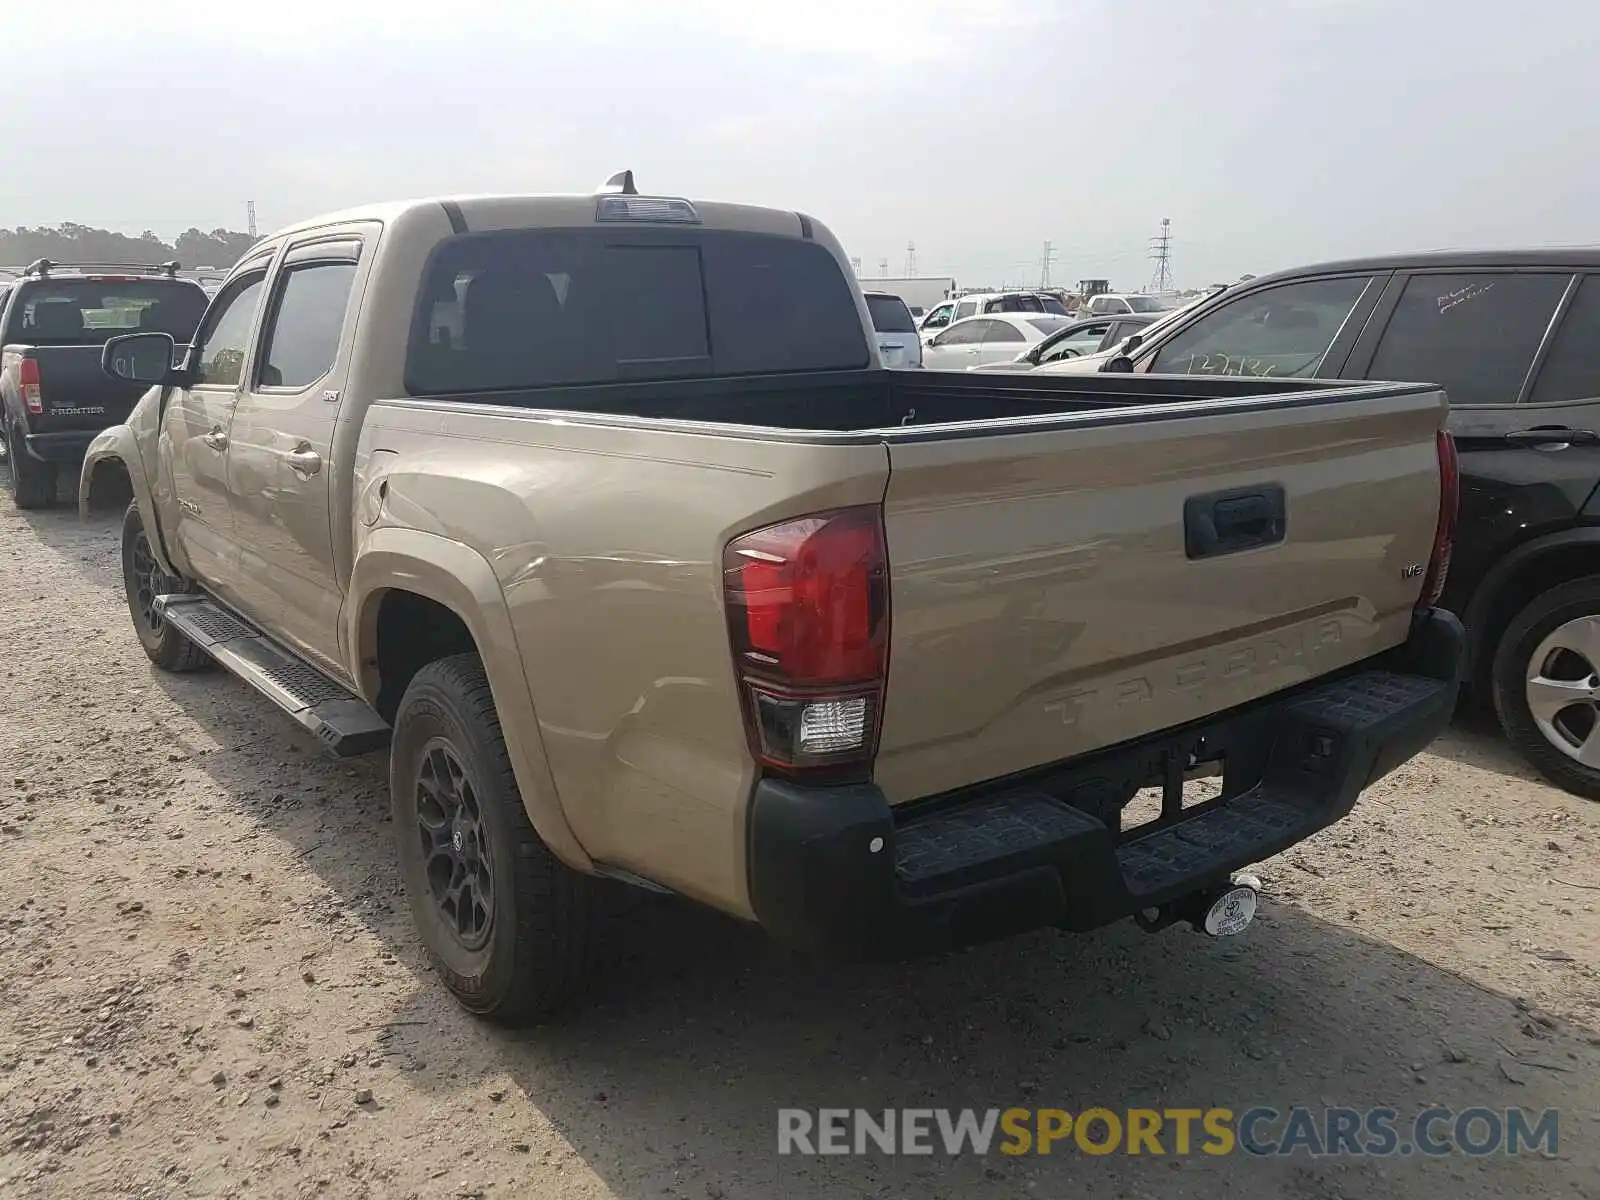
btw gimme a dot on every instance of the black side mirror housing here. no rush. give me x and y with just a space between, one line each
1133 343
145 358
1120 365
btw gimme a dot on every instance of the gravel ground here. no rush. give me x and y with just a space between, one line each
209 984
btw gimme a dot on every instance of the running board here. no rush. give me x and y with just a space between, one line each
340 720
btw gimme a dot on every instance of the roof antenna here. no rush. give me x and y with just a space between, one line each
620 184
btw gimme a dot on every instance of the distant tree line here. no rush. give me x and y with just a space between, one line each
68 242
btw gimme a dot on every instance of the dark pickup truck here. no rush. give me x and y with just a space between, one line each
54 397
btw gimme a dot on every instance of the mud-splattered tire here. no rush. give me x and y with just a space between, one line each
33 483
510 928
142 581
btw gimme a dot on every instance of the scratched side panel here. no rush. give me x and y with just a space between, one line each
1044 605
607 537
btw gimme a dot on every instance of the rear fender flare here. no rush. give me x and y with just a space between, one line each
458 577
119 444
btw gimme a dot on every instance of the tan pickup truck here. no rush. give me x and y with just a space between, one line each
601 513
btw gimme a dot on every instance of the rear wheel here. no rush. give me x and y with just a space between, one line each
33 483
1547 685
143 580
508 925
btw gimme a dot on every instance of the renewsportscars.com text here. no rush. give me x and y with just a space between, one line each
1261 1131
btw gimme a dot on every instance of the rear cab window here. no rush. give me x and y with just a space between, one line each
890 314
557 307
86 312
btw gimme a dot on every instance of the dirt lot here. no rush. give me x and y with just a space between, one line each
209 985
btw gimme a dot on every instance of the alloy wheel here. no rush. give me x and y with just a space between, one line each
1563 689
455 850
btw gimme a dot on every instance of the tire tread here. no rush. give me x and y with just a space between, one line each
554 907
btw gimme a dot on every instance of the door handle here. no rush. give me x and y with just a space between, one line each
305 461
1553 437
1226 522
216 439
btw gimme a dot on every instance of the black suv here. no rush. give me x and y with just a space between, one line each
1514 338
54 321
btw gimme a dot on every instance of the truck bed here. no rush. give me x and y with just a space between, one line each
1046 538
857 401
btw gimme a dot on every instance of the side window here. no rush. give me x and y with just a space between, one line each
1282 331
1475 335
965 309
303 339
1002 331
222 346
1572 369
961 335
938 318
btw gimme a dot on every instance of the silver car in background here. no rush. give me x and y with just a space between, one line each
898 342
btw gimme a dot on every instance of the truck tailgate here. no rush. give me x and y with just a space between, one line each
76 393
1065 585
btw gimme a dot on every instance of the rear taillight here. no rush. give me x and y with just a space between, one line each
808 614
1444 534
28 379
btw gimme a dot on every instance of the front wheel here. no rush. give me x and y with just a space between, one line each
508 925
1547 685
143 580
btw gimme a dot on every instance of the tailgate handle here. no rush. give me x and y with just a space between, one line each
1227 522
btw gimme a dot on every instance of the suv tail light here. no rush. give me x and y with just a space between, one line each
28 379
1444 534
808 616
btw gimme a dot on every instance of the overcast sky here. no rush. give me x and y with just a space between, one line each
1270 133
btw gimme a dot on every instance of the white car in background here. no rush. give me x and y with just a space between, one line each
997 337
974 304
1109 304
1089 364
898 342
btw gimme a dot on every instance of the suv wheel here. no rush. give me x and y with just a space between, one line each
33 483
143 580
1547 685
509 927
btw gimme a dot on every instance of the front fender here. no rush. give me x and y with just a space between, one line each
447 572
120 445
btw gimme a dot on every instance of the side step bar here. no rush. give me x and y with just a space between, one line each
340 720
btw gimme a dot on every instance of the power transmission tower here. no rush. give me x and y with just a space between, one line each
883 268
855 265
1044 265
1161 253
911 260
250 216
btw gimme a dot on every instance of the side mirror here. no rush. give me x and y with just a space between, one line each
140 358
1133 343
1120 365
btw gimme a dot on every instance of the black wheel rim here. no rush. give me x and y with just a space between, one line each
455 848
147 581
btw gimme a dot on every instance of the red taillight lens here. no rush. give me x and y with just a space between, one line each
1444 535
28 380
808 614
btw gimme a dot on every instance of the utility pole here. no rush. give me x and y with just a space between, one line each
911 260
1161 254
1044 265
250 216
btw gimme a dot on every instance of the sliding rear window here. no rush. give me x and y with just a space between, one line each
560 307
